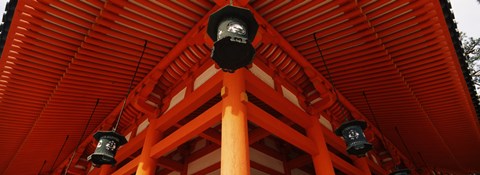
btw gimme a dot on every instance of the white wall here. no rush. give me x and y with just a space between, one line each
255 155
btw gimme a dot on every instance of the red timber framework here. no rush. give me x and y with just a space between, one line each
184 116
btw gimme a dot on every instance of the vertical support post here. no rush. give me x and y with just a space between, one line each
106 170
321 161
235 158
147 165
362 164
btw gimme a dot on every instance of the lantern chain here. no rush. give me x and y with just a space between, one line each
81 137
423 160
383 139
130 87
324 63
88 122
342 107
40 171
404 145
378 126
374 118
59 152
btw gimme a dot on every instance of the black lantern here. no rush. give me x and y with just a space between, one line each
403 171
108 143
352 132
232 29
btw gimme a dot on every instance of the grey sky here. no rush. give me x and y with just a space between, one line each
2 8
467 15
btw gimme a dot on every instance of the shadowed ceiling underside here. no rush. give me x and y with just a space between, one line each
60 56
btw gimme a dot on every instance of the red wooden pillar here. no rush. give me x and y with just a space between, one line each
147 165
235 158
106 170
321 161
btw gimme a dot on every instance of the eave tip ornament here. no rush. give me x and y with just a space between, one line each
232 29
108 143
352 132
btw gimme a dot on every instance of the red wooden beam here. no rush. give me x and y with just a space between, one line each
131 147
264 169
268 151
276 101
257 135
188 131
170 164
76 171
202 152
344 166
299 161
208 169
280 129
164 172
190 103
375 168
210 134
128 168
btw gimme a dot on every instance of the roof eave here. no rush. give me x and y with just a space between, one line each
6 21
455 36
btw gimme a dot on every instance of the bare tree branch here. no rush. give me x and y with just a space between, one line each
471 48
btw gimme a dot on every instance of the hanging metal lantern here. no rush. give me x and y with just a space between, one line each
108 143
232 29
352 132
403 171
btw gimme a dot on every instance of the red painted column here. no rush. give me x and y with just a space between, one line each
148 165
321 161
235 158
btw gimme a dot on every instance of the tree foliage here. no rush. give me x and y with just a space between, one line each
471 48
